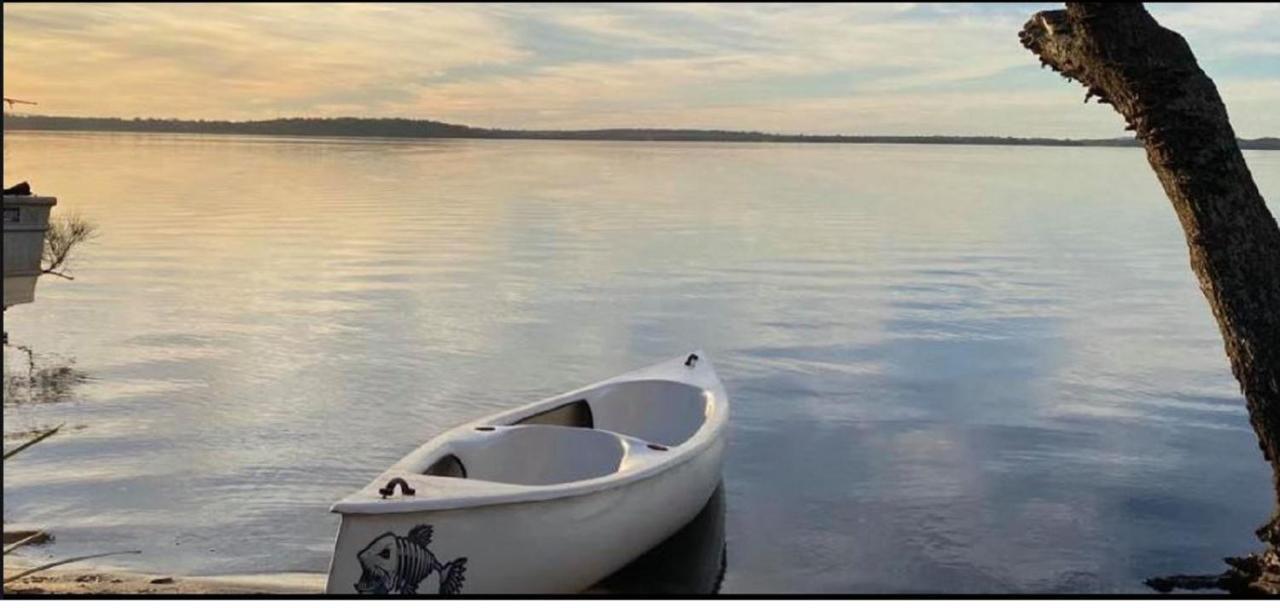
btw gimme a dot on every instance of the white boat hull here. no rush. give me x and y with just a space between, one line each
554 546
547 498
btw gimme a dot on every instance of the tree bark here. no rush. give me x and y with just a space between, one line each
1150 76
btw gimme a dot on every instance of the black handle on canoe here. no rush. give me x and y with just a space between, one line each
691 360
391 488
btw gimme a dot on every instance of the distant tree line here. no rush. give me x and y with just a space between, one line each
412 128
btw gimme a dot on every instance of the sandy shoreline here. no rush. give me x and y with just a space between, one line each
74 579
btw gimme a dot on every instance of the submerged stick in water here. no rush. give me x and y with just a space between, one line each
38 439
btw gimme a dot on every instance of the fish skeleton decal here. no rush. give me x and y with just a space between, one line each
395 565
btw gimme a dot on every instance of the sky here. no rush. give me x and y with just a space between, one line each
861 69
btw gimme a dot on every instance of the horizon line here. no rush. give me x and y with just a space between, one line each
592 130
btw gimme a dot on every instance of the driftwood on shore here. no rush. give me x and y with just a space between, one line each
1150 76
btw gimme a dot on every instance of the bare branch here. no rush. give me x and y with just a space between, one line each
64 236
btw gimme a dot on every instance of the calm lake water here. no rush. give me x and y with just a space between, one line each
952 368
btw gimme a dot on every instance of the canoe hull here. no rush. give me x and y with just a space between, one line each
561 545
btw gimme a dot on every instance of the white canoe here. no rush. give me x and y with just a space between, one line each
546 498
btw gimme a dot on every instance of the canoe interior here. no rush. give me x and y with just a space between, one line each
584 437
658 411
536 455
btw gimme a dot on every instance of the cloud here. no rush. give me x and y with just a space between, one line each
844 44
209 60
1233 18
819 68
1225 30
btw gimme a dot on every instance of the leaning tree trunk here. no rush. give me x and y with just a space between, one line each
1149 75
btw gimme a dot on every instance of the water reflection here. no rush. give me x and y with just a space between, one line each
691 562
951 372
38 378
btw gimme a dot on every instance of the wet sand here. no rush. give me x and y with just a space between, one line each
76 579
